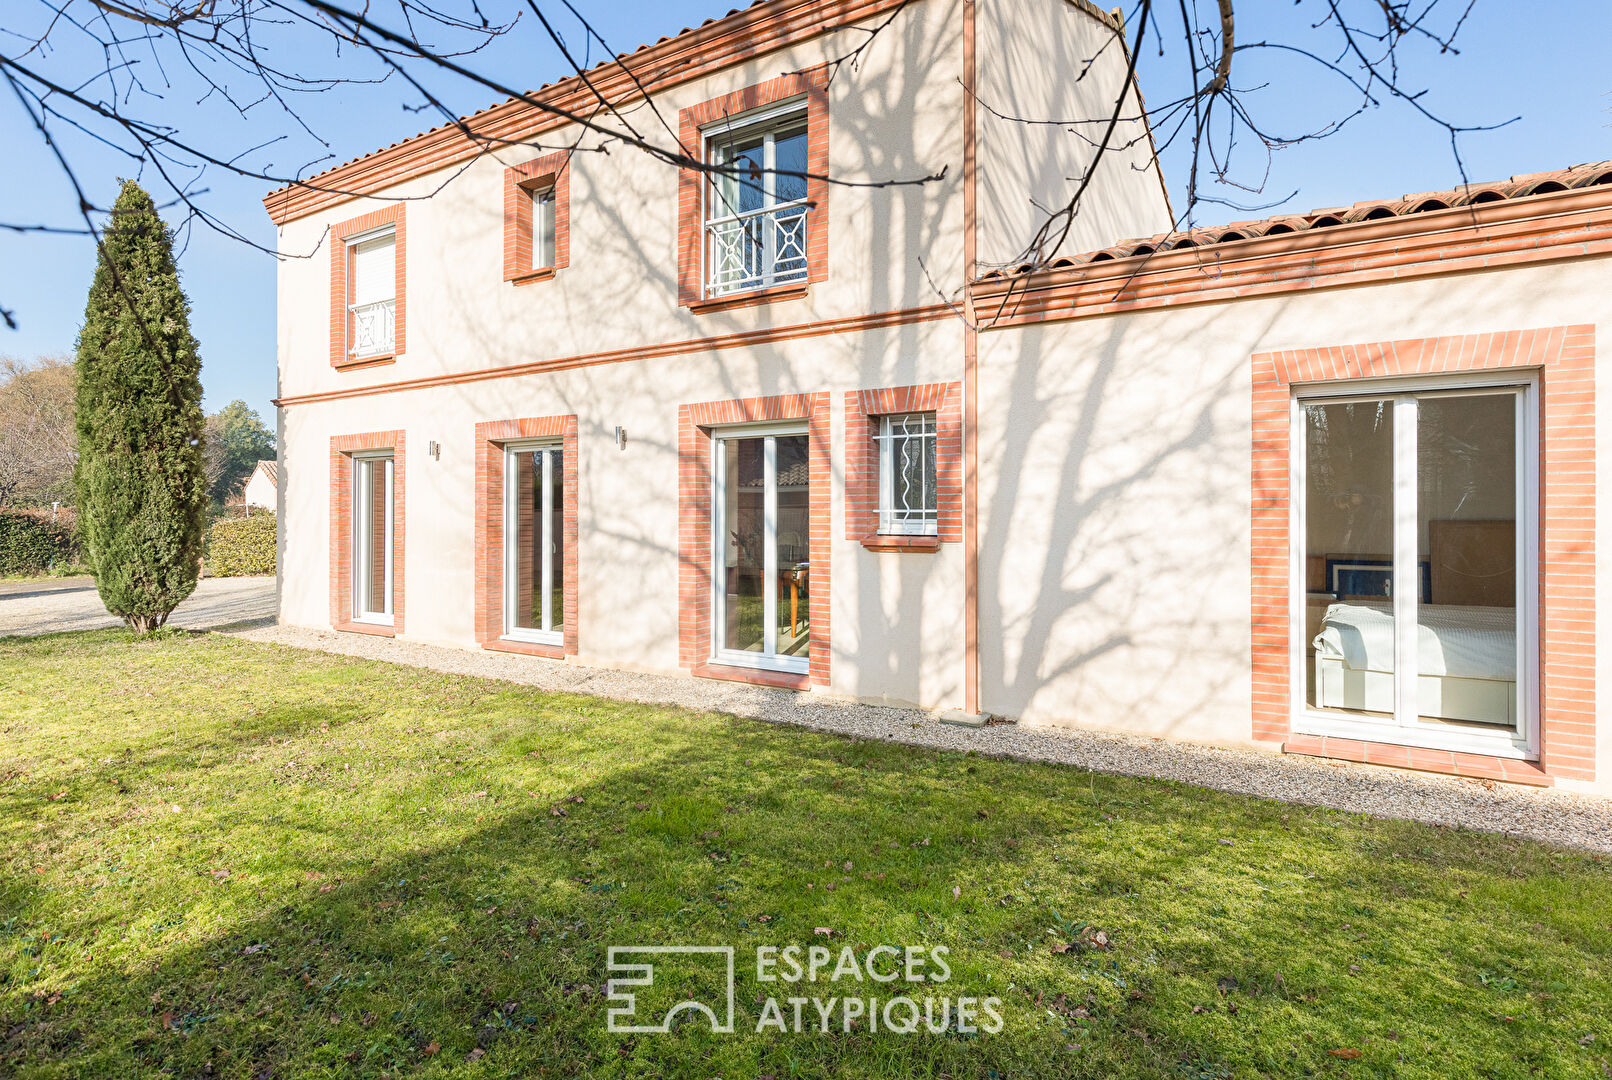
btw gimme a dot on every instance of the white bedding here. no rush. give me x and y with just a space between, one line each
1460 642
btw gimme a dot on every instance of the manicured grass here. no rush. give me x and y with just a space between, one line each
229 859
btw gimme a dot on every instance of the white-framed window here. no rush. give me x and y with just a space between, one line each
755 207
373 525
1414 541
372 292
761 534
907 504
534 542
543 205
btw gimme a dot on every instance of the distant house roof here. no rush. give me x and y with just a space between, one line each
1542 183
270 468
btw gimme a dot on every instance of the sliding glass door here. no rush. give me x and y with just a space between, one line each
372 538
1414 530
761 530
534 543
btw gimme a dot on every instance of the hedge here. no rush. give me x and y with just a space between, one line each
243 545
32 544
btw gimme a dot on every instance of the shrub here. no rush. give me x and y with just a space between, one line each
140 490
243 545
32 544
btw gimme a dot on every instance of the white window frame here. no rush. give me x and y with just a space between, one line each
352 242
545 633
1405 728
768 659
540 234
928 521
770 119
362 526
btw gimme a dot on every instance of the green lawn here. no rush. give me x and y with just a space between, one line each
229 859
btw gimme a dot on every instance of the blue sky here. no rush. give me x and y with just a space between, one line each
1548 71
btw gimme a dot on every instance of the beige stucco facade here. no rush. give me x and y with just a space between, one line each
1114 470
1115 495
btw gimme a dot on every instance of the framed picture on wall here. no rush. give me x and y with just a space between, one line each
1371 577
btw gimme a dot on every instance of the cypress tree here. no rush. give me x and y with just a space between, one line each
142 491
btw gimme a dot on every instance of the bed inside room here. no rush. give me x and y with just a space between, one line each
1463 464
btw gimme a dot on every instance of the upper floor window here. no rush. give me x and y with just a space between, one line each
537 218
372 293
907 487
543 222
756 204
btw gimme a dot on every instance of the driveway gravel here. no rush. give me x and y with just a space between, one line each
1547 815
51 605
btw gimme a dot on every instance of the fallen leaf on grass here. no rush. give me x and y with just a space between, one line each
431 1048
475 1054
826 931
59 795
1348 1053
168 1021
253 950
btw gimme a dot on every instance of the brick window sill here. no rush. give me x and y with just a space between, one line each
373 629
785 680
1450 763
532 277
750 299
366 361
883 542
525 648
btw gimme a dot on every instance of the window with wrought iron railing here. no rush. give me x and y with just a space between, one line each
907 474
372 294
756 207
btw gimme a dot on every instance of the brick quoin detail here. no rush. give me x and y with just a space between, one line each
694 542
550 170
490 439
1565 358
813 85
342 447
340 298
863 410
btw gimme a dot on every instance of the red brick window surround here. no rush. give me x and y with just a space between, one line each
550 171
340 294
695 488
693 186
490 440
863 411
342 449
1564 359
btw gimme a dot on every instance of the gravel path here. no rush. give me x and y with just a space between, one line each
1551 816
51 605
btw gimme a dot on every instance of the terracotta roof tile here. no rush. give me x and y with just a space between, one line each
1518 187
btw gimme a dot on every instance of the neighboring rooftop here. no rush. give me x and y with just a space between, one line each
1518 187
271 469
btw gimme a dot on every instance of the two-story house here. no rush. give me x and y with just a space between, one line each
781 410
